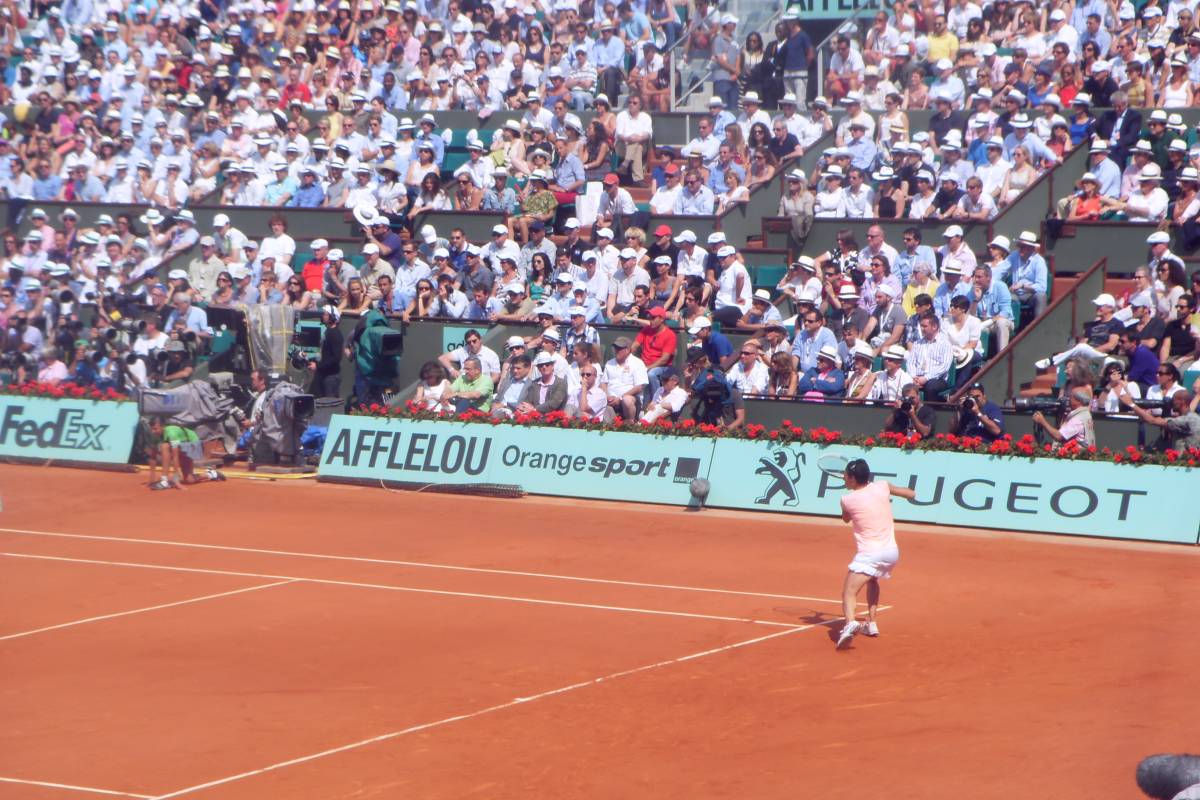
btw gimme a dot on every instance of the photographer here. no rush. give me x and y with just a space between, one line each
177 367
151 338
979 417
327 371
911 414
86 366
1180 431
1077 427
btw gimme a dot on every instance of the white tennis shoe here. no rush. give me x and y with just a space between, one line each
847 635
871 629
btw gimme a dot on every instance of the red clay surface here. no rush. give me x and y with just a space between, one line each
1009 666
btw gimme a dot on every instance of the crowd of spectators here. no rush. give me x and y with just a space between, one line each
173 105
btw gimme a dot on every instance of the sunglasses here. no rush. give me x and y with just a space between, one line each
588 374
748 353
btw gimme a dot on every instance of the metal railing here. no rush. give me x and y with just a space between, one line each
1001 374
753 15
850 27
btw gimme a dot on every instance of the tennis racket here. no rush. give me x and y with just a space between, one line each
832 464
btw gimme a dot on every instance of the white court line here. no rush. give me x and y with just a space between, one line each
490 709
415 590
426 565
76 788
143 610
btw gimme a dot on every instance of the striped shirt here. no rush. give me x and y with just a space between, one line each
930 359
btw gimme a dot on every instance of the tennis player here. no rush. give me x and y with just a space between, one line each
867 506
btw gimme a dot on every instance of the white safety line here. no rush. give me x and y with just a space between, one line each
426 565
68 786
490 709
412 589
143 610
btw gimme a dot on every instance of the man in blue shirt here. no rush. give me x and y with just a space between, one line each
862 150
608 57
568 172
309 194
978 416
722 119
716 345
913 253
952 286
724 163
1028 275
809 341
991 301
279 191
795 54
1107 173
188 316
696 199
428 123
45 185
212 133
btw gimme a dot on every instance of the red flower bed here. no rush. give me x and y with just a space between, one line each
786 433
62 391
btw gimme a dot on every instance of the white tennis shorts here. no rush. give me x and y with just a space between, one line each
877 564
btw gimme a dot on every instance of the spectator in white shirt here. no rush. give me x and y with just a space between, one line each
750 375
668 400
615 203
663 201
1148 203
624 379
633 133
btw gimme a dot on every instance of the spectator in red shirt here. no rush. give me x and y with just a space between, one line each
295 89
314 269
655 345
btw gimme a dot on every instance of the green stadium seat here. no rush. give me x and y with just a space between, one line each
768 276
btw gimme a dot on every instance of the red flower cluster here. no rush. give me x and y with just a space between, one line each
787 433
62 391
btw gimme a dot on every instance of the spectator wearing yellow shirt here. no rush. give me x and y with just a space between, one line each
942 42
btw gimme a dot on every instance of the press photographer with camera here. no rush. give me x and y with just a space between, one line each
979 417
176 367
1077 426
911 415
1180 431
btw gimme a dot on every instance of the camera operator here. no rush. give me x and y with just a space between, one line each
177 368
1180 431
85 367
911 414
188 317
327 371
1077 426
259 381
151 338
979 417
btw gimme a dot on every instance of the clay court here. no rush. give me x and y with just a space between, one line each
308 641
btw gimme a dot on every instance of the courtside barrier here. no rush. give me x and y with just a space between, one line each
1007 493
568 463
68 429
1041 495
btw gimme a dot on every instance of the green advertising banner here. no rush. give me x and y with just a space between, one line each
568 463
832 9
1042 495
454 336
75 430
